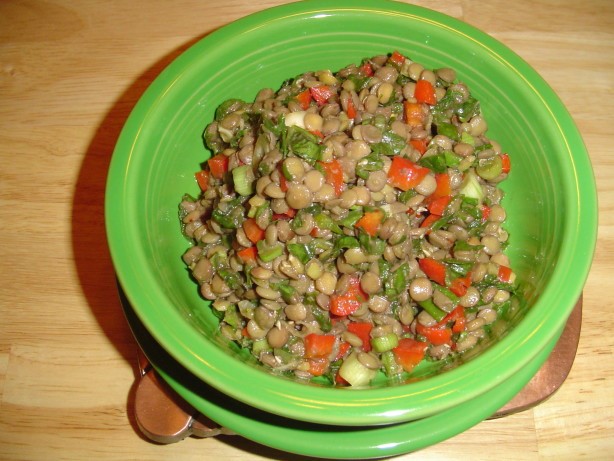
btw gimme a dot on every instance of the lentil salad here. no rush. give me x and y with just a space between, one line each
350 223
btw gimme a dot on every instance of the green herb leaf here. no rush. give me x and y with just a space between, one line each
304 144
390 145
469 109
458 267
352 217
358 81
449 130
324 221
368 164
268 253
230 277
228 106
301 251
372 245
440 162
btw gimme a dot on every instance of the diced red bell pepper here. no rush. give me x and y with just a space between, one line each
283 182
321 93
248 255
421 145
409 353
457 318
304 99
344 347
459 285
218 165
252 230
429 220
506 163
318 365
415 113
288 214
485 212
437 205
202 178
405 174
397 58
434 270
505 274
370 222
441 332
425 92
351 110
333 173
366 69
319 134
437 334
317 345
363 331
350 301
444 187
440 198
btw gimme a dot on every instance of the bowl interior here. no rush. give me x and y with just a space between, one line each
550 195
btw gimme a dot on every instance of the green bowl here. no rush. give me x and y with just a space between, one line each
551 197
326 441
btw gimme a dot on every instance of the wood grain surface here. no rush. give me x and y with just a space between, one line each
70 72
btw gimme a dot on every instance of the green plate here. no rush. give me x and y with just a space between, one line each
330 442
551 197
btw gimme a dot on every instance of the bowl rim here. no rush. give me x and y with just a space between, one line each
357 406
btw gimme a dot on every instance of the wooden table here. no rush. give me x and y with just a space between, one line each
70 72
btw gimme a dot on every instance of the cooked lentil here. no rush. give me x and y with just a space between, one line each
349 217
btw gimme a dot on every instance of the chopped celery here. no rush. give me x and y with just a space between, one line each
243 178
471 187
467 138
385 343
260 345
490 168
355 372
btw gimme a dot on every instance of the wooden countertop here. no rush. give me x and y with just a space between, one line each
70 72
